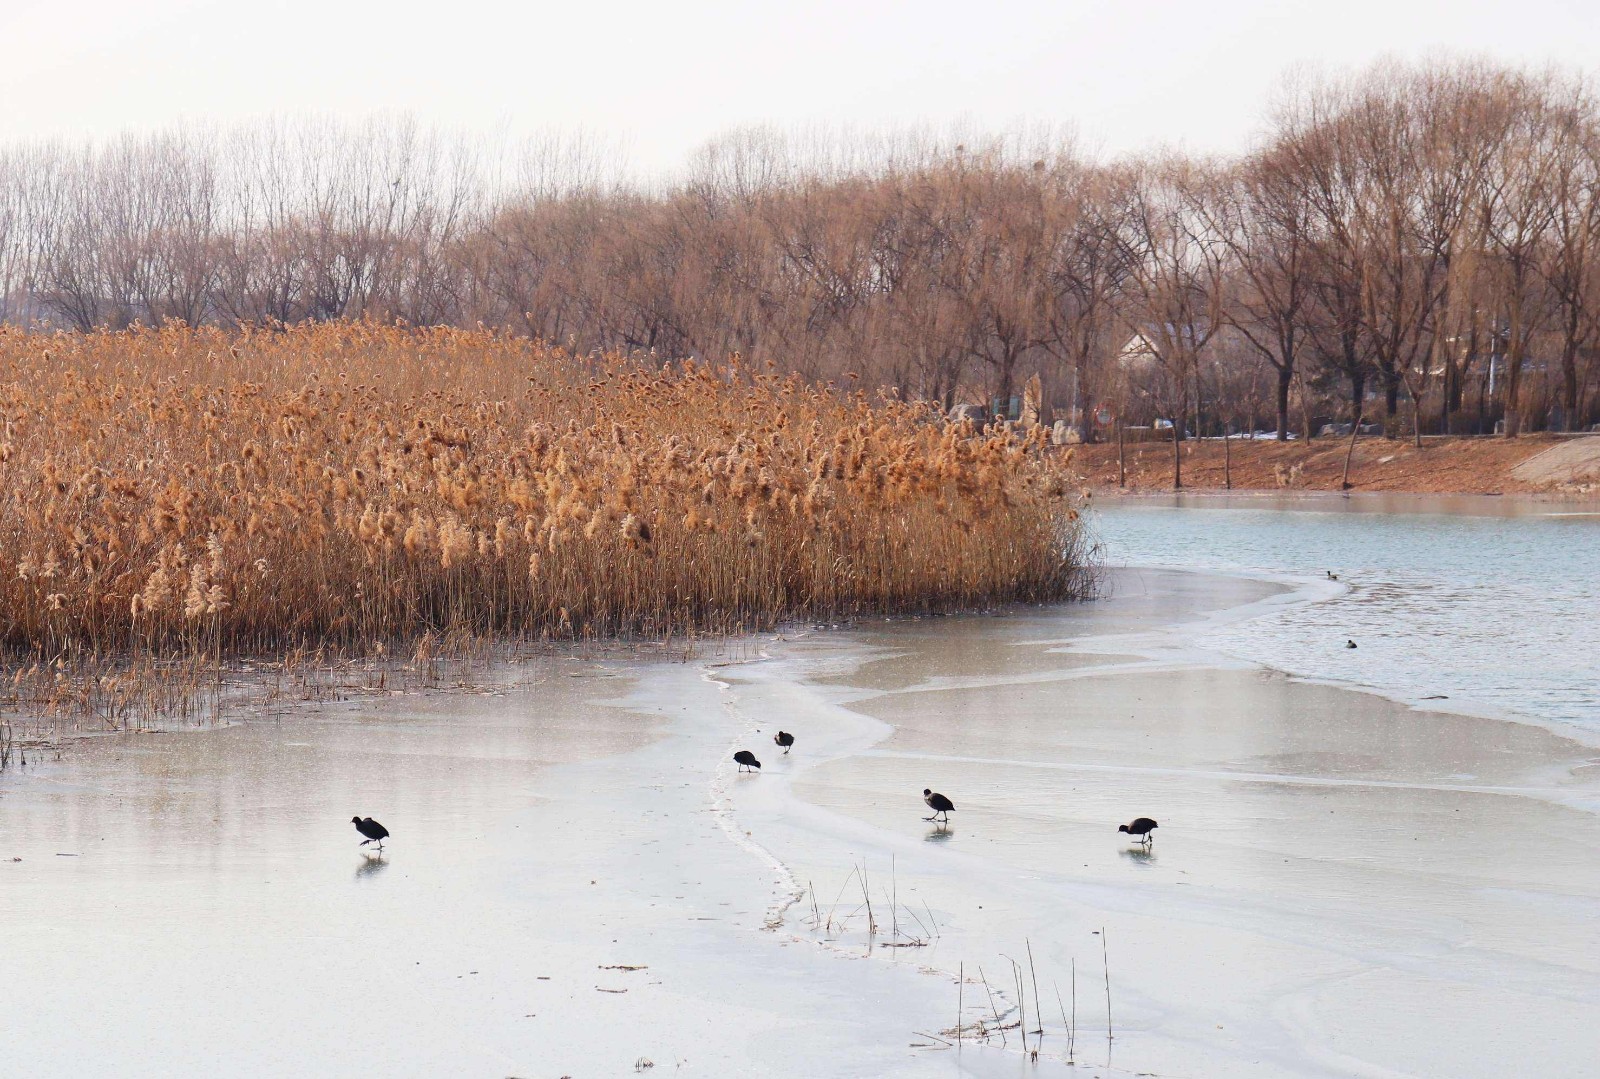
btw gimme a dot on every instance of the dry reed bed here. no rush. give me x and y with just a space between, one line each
181 496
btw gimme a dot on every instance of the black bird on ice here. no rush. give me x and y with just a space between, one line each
940 805
1141 827
375 832
784 739
746 759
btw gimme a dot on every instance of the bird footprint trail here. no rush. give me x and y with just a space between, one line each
789 890
788 887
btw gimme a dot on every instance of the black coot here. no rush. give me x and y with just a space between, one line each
940 805
375 832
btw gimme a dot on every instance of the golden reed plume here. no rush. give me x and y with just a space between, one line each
182 492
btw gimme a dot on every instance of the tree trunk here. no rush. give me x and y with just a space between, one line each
1285 376
1513 390
1514 352
1122 457
1008 364
1355 432
1177 455
1569 384
1083 399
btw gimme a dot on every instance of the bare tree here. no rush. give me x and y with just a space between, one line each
1421 227
1571 262
1174 292
1262 214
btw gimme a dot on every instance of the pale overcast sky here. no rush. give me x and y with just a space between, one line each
665 76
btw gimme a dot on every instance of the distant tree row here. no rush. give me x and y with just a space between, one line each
1415 245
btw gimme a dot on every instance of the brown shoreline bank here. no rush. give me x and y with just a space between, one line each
1533 464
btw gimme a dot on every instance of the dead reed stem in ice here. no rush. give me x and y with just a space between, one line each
1022 1004
999 1023
961 999
1072 1039
1106 961
872 925
1038 1015
838 898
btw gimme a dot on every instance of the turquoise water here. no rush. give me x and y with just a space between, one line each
1491 603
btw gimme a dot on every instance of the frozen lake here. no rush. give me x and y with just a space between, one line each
580 883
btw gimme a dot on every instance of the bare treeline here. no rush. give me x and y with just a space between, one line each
1418 245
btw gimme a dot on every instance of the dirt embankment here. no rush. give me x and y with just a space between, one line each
1531 464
